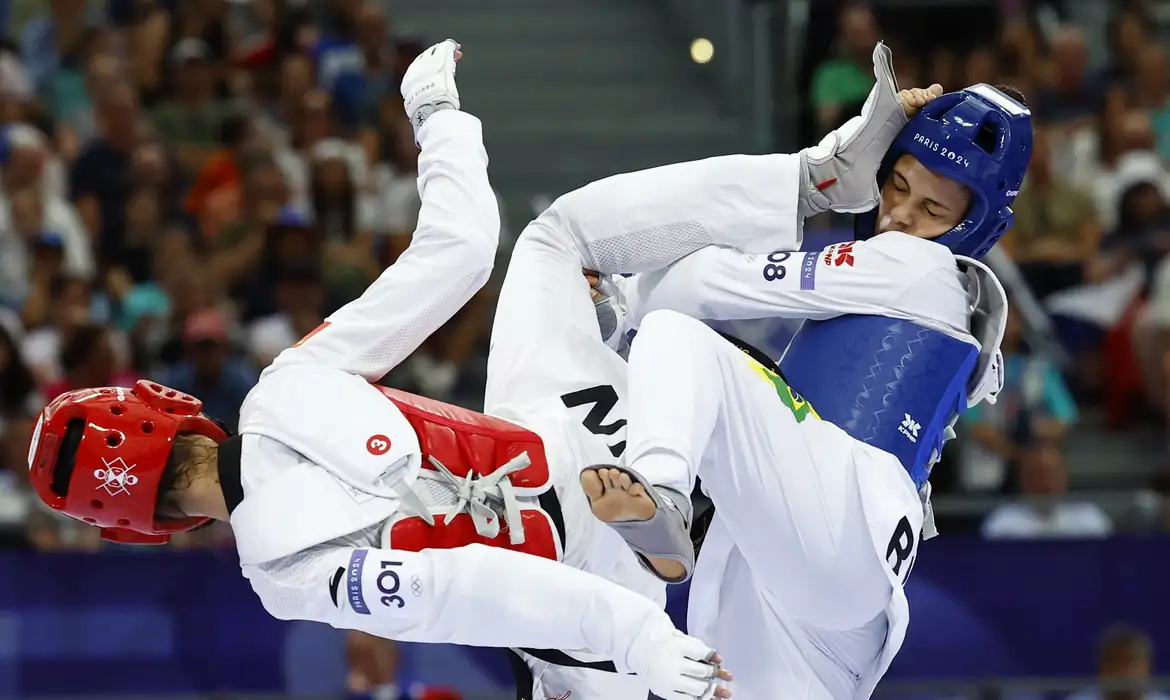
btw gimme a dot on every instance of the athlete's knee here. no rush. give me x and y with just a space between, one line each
665 323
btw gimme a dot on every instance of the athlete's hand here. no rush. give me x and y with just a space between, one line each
915 99
676 666
594 281
429 82
612 312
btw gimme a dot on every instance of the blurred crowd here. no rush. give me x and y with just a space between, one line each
189 186
186 189
1089 245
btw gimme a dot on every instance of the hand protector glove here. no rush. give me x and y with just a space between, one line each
429 83
840 173
676 666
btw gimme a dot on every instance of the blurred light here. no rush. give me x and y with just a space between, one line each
702 50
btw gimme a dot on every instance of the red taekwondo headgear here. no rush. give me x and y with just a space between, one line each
98 455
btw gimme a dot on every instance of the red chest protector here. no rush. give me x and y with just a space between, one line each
467 442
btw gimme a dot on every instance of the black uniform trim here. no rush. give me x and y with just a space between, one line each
228 465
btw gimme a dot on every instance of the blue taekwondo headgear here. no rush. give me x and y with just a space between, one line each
978 137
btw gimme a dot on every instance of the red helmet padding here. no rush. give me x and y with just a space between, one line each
120 459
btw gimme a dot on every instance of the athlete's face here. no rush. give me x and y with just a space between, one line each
919 202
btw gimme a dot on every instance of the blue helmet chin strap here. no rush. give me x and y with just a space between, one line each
978 137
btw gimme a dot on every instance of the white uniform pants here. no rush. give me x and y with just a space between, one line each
545 346
548 368
789 586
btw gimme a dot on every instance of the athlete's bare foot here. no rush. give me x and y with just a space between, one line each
616 498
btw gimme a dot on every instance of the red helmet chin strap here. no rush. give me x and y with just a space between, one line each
122 536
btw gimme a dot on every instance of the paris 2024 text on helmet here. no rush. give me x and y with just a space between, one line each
980 138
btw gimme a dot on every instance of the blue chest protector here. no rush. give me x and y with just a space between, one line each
892 384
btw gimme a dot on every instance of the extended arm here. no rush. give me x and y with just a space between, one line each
490 597
723 284
449 259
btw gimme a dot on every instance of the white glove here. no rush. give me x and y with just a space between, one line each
841 170
429 83
676 666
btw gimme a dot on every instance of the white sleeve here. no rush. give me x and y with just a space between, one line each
449 259
474 595
634 222
862 277
643 221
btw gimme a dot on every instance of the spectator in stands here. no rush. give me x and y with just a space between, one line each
1124 661
57 305
18 385
190 290
278 109
1071 97
214 198
1100 160
143 226
345 215
1152 93
378 56
841 84
16 500
100 180
1143 221
163 26
239 244
1055 236
71 103
1127 37
292 241
26 163
1098 324
1034 444
300 303
87 360
339 59
395 178
143 307
31 250
1046 510
189 119
210 368
20 240
1035 406
49 41
1018 50
15 81
153 166
312 124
